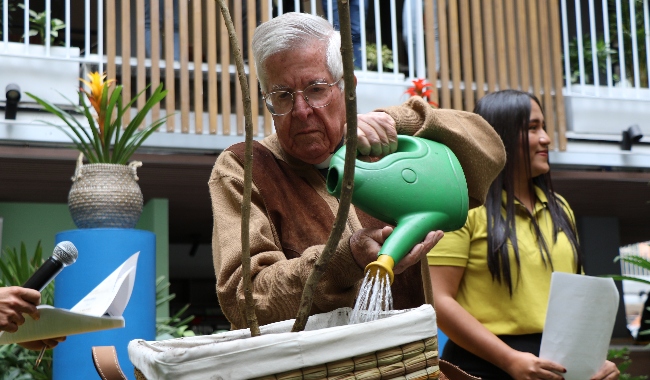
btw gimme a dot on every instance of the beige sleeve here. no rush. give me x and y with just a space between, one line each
476 144
278 282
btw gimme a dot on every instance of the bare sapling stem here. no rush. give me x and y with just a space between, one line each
251 318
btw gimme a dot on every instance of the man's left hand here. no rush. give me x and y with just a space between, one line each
376 134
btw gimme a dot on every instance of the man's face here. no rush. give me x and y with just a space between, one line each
306 133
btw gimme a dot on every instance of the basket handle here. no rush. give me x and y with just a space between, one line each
106 363
77 169
452 372
134 165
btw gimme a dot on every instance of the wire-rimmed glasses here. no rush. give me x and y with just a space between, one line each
317 95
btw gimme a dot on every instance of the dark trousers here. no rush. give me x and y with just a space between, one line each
476 366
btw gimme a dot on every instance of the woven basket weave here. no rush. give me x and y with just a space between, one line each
416 360
105 195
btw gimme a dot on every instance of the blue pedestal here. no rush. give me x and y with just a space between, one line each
101 251
442 340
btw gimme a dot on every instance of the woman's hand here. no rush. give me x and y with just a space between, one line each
608 371
38 344
526 366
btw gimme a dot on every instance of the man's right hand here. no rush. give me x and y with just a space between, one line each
14 302
366 243
376 136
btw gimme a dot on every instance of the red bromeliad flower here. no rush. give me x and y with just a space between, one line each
422 88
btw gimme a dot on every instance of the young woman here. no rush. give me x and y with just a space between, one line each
491 279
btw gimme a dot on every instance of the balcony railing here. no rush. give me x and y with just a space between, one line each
465 47
606 60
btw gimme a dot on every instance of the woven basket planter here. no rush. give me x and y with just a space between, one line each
402 345
417 360
105 196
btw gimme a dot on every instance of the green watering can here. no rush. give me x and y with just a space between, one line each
419 188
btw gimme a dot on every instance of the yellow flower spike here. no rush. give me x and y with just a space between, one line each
97 83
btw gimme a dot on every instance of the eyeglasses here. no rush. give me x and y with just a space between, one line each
317 95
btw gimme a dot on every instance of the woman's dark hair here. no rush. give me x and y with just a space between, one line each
508 112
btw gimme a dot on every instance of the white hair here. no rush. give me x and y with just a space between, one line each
295 31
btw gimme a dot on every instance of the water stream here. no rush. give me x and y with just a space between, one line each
374 298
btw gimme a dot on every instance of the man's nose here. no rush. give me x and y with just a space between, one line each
301 108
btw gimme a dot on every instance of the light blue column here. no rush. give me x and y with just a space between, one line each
101 251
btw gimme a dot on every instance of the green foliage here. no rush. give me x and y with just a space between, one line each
639 261
108 142
174 326
386 57
17 362
38 23
602 51
622 356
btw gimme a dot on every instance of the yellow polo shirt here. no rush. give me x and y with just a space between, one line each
487 300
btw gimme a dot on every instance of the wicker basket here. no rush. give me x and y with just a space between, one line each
417 360
403 345
105 196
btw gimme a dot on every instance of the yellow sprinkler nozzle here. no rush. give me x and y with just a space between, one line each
384 264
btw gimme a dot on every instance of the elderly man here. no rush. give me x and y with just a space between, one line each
300 70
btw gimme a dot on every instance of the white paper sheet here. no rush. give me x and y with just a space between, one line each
579 323
111 295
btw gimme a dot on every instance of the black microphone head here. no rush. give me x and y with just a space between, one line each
66 253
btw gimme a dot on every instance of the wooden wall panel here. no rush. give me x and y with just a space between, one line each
484 46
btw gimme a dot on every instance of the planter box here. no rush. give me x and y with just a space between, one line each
375 90
604 110
46 76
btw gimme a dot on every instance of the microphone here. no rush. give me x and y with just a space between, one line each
65 253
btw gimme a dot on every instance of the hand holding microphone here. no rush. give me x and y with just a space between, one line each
16 301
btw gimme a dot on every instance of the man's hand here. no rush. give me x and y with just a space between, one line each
14 302
376 134
366 243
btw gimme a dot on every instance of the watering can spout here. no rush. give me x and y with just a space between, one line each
419 188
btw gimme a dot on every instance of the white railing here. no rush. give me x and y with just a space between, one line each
52 60
620 31
91 43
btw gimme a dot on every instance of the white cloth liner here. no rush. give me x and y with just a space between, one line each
235 355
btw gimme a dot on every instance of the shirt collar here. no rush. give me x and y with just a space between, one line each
542 201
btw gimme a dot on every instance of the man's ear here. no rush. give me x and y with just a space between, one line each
355 81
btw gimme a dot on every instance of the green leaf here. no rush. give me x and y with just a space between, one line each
76 128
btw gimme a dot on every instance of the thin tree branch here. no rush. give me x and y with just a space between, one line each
348 172
251 318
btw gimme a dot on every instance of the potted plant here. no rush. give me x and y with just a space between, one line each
105 192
